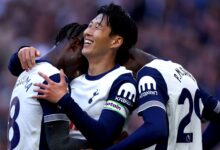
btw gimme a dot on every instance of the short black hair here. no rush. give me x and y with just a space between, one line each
123 25
70 31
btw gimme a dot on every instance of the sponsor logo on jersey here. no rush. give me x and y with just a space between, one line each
115 106
126 94
147 86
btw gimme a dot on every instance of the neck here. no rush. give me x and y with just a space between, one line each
52 57
137 59
99 66
55 58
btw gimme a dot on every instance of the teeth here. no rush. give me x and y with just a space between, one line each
87 41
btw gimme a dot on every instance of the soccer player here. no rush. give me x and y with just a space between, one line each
171 104
27 128
101 99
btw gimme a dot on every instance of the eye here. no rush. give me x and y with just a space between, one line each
98 26
90 25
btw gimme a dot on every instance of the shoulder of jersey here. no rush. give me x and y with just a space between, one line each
45 68
119 71
162 65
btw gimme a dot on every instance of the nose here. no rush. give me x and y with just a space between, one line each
87 31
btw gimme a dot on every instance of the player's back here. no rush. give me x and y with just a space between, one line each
182 103
25 118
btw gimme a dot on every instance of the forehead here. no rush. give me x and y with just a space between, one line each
99 19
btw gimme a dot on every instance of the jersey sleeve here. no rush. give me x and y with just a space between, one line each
14 65
152 98
153 130
152 89
122 96
50 111
56 125
111 120
211 110
210 137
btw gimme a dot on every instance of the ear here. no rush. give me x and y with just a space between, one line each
116 42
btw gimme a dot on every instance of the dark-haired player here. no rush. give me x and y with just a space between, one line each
171 103
30 126
101 99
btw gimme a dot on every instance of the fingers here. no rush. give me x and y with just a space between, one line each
21 56
41 86
37 53
42 92
40 96
27 56
52 91
46 78
62 76
32 56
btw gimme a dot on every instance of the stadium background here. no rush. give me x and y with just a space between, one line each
186 31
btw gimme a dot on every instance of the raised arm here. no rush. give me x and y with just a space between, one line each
110 123
23 59
211 104
211 112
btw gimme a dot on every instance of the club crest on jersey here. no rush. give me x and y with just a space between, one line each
94 94
126 96
147 86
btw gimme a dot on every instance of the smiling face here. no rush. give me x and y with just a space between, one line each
97 38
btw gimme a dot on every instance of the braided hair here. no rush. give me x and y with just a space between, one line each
70 31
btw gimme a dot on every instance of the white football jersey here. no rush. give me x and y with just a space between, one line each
91 94
25 118
169 86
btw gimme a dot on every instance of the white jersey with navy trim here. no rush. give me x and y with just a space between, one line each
92 94
170 87
25 118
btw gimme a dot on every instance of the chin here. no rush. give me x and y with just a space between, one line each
85 52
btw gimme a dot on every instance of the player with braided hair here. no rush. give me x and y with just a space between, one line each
37 124
102 98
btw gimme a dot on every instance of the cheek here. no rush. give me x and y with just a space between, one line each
76 57
103 43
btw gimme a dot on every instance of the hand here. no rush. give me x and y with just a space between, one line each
27 56
52 91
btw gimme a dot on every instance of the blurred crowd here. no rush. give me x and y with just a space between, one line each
186 31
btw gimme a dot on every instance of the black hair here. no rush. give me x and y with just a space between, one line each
69 31
123 25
